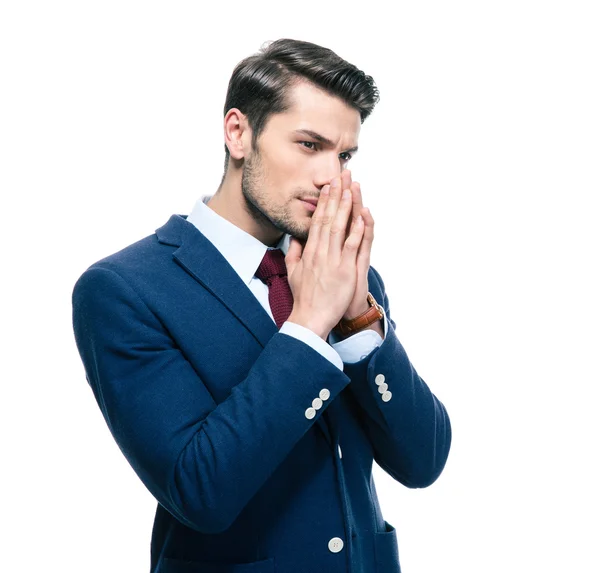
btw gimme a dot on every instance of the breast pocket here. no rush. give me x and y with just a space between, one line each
180 566
386 550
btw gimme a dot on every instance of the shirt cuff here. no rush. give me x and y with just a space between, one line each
314 341
358 346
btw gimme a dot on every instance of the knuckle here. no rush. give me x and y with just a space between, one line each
320 255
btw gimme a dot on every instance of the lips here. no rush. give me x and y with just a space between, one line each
309 205
311 200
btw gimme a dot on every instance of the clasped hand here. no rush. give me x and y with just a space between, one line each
328 274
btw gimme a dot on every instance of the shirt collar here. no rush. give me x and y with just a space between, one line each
241 250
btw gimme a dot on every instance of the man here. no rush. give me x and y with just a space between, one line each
244 357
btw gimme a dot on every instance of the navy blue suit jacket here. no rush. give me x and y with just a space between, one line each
207 401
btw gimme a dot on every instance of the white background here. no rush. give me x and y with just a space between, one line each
481 167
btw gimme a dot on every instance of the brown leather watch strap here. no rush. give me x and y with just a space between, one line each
373 314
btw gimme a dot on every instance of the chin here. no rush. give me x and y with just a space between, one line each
302 236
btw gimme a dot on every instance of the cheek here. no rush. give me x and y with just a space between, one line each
286 168
286 171
286 158
298 165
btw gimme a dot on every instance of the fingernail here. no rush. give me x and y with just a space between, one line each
335 182
325 190
346 194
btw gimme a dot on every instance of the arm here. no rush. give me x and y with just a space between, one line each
411 432
201 460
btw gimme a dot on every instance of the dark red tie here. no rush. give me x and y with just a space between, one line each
273 272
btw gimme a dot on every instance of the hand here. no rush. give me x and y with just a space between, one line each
322 274
359 303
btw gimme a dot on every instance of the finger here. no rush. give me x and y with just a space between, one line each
356 202
315 225
326 221
352 244
338 228
346 179
363 256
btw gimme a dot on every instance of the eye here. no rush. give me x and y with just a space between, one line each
347 158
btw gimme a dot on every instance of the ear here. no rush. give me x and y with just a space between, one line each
237 133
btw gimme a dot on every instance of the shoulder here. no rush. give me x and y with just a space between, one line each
135 262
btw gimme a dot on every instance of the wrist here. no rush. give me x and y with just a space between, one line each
377 327
354 312
373 314
316 326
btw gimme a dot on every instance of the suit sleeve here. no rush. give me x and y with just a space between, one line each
201 460
410 432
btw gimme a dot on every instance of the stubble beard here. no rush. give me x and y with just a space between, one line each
258 205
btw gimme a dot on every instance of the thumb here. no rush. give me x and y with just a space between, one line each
294 254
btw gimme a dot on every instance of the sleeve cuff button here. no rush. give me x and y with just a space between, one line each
324 394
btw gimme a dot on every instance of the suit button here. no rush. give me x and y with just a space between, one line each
335 545
379 379
324 394
340 451
317 403
310 413
382 388
386 396
363 356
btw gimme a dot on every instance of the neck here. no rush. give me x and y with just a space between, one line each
230 203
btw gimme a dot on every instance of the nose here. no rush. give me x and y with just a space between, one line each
327 173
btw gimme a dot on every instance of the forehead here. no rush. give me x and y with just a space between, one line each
314 109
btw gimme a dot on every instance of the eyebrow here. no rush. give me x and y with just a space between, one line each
322 139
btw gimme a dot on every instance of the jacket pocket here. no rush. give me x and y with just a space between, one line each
169 565
386 550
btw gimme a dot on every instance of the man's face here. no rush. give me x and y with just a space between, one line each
288 165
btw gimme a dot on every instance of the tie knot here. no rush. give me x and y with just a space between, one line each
273 264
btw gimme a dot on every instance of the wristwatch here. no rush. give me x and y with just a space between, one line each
374 313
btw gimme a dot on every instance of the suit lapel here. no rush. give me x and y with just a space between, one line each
204 262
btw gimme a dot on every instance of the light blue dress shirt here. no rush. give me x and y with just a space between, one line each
244 253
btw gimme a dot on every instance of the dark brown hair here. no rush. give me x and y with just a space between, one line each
259 83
